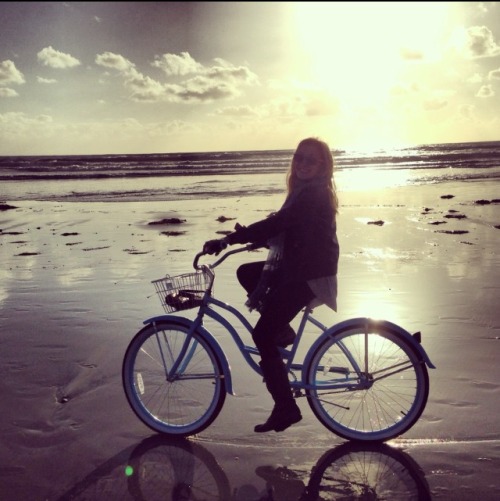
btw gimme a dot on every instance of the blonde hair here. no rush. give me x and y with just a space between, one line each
327 164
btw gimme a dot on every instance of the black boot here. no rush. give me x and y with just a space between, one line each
286 411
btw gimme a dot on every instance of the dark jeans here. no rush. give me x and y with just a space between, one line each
285 301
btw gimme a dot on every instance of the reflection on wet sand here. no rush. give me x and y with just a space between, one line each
181 470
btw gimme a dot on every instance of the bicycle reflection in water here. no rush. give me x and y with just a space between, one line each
349 471
183 470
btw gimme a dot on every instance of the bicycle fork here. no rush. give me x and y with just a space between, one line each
187 351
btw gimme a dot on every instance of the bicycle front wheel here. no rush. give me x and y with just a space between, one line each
369 383
179 403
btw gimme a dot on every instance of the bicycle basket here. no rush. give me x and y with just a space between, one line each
182 292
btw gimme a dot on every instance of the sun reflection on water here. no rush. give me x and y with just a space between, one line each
372 179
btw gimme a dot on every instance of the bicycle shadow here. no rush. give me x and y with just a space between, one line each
181 469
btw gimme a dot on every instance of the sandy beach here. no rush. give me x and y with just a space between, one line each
75 286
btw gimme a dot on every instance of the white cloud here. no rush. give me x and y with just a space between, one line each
237 111
43 80
114 61
485 91
494 75
208 84
56 59
16 125
9 74
144 88
476 78
173 64
434 104
201 89
479 42
6 92
226 71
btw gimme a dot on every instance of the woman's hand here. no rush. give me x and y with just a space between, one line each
214 246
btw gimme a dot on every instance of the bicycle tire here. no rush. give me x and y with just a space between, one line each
395 391
186 404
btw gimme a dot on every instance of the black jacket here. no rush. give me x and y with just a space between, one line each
311 249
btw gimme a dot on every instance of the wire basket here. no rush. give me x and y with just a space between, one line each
182 292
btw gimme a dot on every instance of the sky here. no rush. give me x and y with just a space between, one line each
159 77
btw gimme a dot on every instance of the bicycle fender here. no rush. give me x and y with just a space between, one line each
186 322
372 323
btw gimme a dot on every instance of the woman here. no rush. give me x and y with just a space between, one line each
301 267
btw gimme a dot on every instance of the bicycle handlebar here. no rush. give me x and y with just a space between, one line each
224 256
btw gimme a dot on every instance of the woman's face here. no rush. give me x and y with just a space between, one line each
307 162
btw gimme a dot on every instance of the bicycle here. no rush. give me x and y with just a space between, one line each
364 379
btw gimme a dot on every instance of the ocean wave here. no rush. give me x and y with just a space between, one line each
32 168
191 175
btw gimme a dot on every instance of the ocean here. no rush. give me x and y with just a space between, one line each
175 176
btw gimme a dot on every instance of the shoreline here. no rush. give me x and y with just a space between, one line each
187 187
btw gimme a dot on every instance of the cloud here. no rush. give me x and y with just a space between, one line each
46 80
144 88
223 80
411 54
56 59
206 83
226 71
9 74
114 61
485 91
476 78
237 111
6 92
201 89
173 64
16 125
321 105
494 74
479 42
434 104
467 111
306 104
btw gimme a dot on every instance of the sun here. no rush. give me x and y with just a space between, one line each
359 52
357 48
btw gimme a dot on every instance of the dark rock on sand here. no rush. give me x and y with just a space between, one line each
169 220
223 219
7 207
455 216
172 233
453 232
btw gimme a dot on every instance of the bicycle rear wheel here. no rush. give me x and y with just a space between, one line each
180 404
370 383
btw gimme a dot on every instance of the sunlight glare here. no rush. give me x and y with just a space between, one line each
377 305
357 52
370 179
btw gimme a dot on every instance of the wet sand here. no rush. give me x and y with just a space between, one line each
75 287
